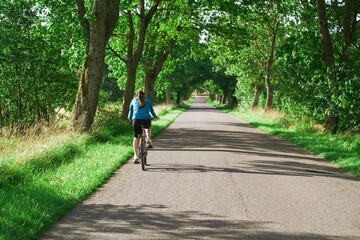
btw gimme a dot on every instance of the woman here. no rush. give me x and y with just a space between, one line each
140 113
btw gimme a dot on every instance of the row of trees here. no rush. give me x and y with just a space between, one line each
301 57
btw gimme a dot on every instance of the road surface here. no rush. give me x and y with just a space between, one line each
214 177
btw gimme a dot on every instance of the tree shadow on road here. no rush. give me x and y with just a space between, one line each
105 221
187 138
258 153
278 168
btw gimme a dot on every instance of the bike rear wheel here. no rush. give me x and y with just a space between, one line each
143 153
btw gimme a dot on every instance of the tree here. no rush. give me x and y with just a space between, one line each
97 31
272 48
265 19
299 85
332 118
244 27
161 39
134 47
348 29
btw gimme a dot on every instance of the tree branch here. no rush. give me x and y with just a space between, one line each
120 35
116 53
152 10
259 48
131 36
83 21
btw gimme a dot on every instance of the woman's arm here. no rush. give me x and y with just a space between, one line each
153 114
131 110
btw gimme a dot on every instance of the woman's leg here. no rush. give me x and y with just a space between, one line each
136 147
137 130
148 140
149 132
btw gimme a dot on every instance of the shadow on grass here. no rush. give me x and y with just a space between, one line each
12 174
25 211
104 221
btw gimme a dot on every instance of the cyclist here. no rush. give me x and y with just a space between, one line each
140 113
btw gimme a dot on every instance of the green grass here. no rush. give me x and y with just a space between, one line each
36 192
341 149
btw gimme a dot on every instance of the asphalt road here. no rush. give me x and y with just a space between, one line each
215 177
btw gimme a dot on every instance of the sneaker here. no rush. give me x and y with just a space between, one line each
136 160
149 143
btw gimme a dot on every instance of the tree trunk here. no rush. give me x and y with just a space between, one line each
152 73
149 83
224 97
129 90
269 93
178 100
168 96
349 21
1 117
231 100
98 33
269 87
257 92
221 100
331 118
155 65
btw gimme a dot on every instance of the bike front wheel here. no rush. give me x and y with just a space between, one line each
143 154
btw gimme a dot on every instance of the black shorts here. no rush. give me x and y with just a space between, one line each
136 125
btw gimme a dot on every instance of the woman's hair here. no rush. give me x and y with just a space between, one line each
140 95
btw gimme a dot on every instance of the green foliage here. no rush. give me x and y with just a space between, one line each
298 59
347 96
182 73
238 40
301 55
35 76
110 88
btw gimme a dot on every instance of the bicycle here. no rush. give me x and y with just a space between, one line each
143 149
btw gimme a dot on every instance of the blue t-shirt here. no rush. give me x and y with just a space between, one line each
141 113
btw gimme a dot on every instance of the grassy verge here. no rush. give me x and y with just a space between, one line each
341 149
37 190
